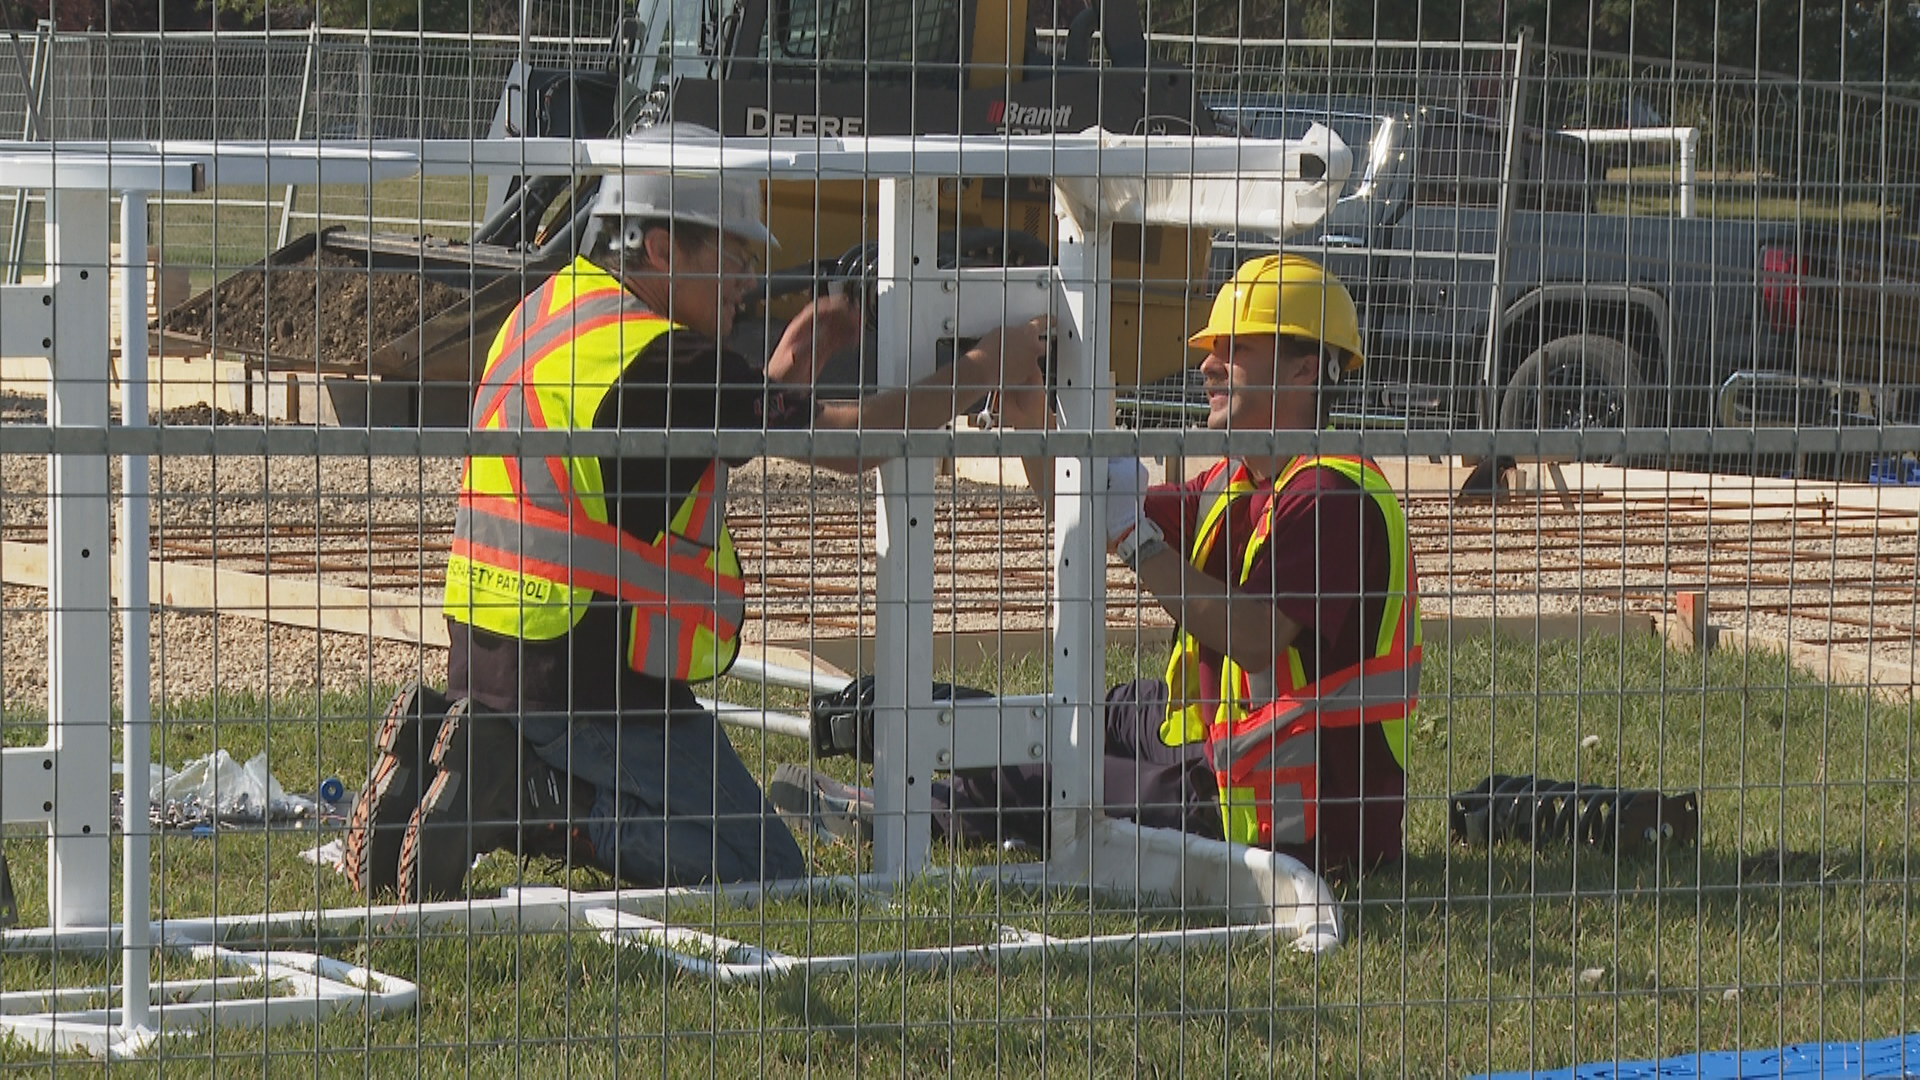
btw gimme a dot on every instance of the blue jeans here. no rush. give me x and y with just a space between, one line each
673 803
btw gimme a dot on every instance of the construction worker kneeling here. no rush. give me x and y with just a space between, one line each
1281 720
585 594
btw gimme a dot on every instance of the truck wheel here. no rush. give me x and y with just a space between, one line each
1574 383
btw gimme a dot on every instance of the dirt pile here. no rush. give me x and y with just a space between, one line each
326 309
204 415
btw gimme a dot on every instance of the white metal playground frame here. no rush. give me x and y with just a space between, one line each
1099 180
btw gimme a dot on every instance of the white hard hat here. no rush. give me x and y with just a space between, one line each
730 204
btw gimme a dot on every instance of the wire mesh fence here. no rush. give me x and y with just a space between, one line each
1344 579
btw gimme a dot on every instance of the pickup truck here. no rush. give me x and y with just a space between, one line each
1603 320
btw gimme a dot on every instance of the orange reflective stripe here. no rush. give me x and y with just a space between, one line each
529 566
663 557
575 566
690 615
683 646
661 644
502 373
1289 801
510 330
1374 691
556 471
497 384
1281 807
639 638
512 467
701 502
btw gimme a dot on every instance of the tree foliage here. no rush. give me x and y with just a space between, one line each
454 16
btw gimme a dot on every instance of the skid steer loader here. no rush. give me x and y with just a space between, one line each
771 68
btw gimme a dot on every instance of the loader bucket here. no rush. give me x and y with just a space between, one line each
392 309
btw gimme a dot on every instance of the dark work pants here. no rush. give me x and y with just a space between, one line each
1147 781
673 803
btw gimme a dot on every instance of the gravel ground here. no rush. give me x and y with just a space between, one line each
807 539
245 500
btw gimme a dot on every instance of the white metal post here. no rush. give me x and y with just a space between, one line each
135 714
291 195
1084 386
1490 378
34 129
1689 154
903 615
79 697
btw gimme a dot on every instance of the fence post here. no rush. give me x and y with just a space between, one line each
1516 110
79 628
1085 388
135 665
1689 151
300 128
904 522
32 131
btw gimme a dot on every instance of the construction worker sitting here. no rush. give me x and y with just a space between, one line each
1281 721
584 595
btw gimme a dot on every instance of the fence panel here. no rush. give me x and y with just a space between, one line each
1481 643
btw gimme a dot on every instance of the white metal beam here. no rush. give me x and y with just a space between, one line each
1085 391
1140 179
26 319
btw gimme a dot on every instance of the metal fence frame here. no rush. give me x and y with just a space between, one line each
1759 134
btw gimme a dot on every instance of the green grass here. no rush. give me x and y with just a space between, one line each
1462 960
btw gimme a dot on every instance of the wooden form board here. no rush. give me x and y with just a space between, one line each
284 601
172 381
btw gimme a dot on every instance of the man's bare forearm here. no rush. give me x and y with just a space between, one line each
929 403
1246 628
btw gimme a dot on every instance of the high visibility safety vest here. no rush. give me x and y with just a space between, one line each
532 539
1263 736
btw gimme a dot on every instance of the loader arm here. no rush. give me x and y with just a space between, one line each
828 68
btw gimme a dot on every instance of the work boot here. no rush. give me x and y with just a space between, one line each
378 824
816 801
488 787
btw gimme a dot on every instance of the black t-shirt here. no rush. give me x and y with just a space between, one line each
681 381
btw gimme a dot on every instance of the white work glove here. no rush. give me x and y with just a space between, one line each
1130 532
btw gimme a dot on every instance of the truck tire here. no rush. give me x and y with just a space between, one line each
1575 382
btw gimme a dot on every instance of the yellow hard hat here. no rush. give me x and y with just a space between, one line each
1290 295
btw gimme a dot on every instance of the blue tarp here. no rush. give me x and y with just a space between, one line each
1883 1059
